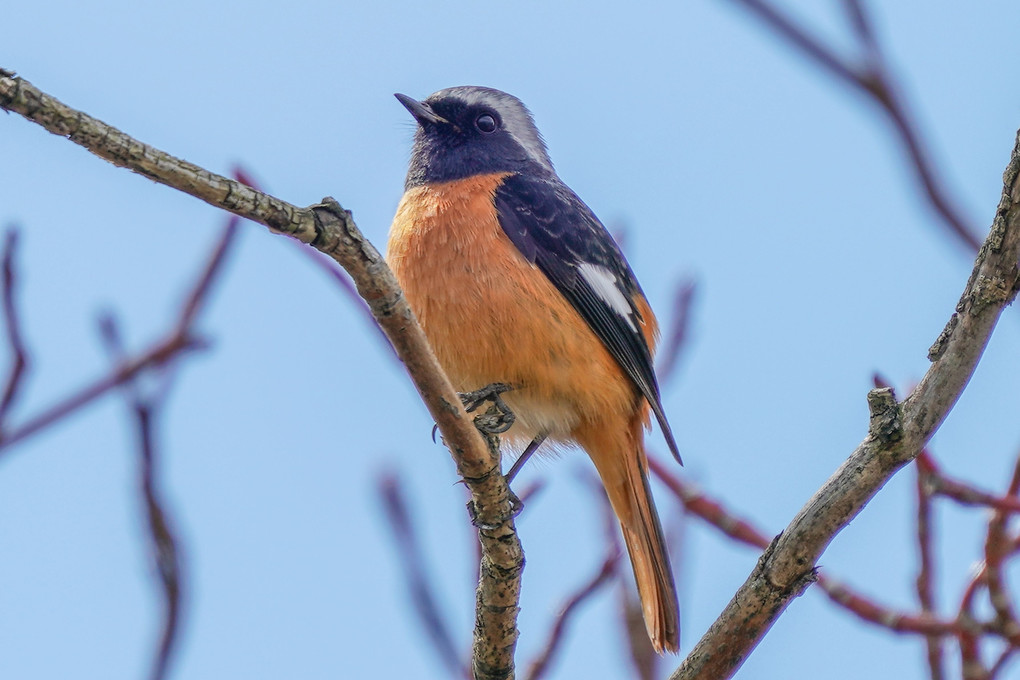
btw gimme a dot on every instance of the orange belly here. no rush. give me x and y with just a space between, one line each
491 316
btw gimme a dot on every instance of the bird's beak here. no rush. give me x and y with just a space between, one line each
421 112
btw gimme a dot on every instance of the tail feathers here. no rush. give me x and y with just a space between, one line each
655 587
625 477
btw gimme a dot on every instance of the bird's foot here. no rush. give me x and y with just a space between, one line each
497 419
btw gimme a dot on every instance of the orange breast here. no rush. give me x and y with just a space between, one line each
491 316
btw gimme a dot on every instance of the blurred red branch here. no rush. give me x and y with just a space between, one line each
925 583
708 509
868 610
421 587
966 628
164 546
19 355
675 341
998 546
162 543
179 339
873 78
540 666
962 492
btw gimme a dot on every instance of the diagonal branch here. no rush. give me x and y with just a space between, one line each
675 342
926 580
540 666
330 229
873 79
897 434
412 560
162 541
997 549
180 339
19 354
941 484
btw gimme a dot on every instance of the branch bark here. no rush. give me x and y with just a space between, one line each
329 228
897 434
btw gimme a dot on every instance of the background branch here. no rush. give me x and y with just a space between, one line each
413 564
872 77
163 544
19 355
897 434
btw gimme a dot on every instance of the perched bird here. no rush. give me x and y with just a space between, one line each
515 280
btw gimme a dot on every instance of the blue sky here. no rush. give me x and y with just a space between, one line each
726 158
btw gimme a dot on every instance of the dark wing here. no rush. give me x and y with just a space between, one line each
555 230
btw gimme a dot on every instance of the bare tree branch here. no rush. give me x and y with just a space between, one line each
1005 657
965 494
925 582
873 79
179 340
710 510
675 342
158 354
144 408
897 434
338 276
162 543
330 229
543 662
19 355
412 561
923 623
997 548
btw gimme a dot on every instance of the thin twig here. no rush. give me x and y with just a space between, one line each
413 563
716 515
709 509
1005 657
675 342
867 609
926 572
343 281
179 340
997 548
963 492
554 641
338 276
158 354
873 79
199 295
164 546
969 635
162 543
19 354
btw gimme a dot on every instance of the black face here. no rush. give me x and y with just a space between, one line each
467 139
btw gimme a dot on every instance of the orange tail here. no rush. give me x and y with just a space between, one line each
624 473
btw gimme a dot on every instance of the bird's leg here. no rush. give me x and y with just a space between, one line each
493 423
519 463
498 420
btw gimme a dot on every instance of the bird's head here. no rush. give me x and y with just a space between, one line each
468 131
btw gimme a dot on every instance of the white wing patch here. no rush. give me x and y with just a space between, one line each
603 282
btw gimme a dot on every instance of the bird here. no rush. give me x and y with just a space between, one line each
514 280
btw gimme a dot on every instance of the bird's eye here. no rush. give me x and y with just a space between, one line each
485 123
